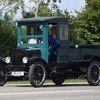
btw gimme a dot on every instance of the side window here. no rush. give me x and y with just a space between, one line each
34 30
64 32
32 34
24 30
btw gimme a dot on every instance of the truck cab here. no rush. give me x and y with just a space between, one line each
34 33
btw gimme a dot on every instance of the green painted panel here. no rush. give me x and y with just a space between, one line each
32 36
67 54
18 35
45 41
43 46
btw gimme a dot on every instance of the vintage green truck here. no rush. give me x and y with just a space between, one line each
30 58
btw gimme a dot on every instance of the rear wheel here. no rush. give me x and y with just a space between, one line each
93 73
58 79
3 78
37 74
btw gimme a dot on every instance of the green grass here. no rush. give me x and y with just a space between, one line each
48 81
75 80
18 82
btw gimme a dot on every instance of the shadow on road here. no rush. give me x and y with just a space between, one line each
53 85
67 85
64 85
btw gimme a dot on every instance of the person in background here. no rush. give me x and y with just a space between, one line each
52 43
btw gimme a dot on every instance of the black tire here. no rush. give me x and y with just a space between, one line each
37 74
3 78
58 79
93 73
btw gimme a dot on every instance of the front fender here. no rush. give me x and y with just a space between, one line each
35 59
2 61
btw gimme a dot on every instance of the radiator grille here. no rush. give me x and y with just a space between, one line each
16 56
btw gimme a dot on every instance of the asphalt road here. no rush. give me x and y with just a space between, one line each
80 91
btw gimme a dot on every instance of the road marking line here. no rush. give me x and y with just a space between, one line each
45 92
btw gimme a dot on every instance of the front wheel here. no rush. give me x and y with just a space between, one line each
93 73
37 74
3 78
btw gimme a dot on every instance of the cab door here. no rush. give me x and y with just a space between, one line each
65 51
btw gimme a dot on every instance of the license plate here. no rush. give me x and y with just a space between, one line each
17 73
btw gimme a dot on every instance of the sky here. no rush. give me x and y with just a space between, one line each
70 5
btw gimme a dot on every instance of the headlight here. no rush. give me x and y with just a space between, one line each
7 60
25 60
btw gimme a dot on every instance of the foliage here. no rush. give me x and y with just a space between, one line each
41 8
44 10
11 6
8 9
92 19
86 25
7 35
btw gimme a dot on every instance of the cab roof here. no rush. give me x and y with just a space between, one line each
43 19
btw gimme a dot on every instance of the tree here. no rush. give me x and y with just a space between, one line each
11 5
41 7
7 26
92 20
43 10
7 35
86 25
